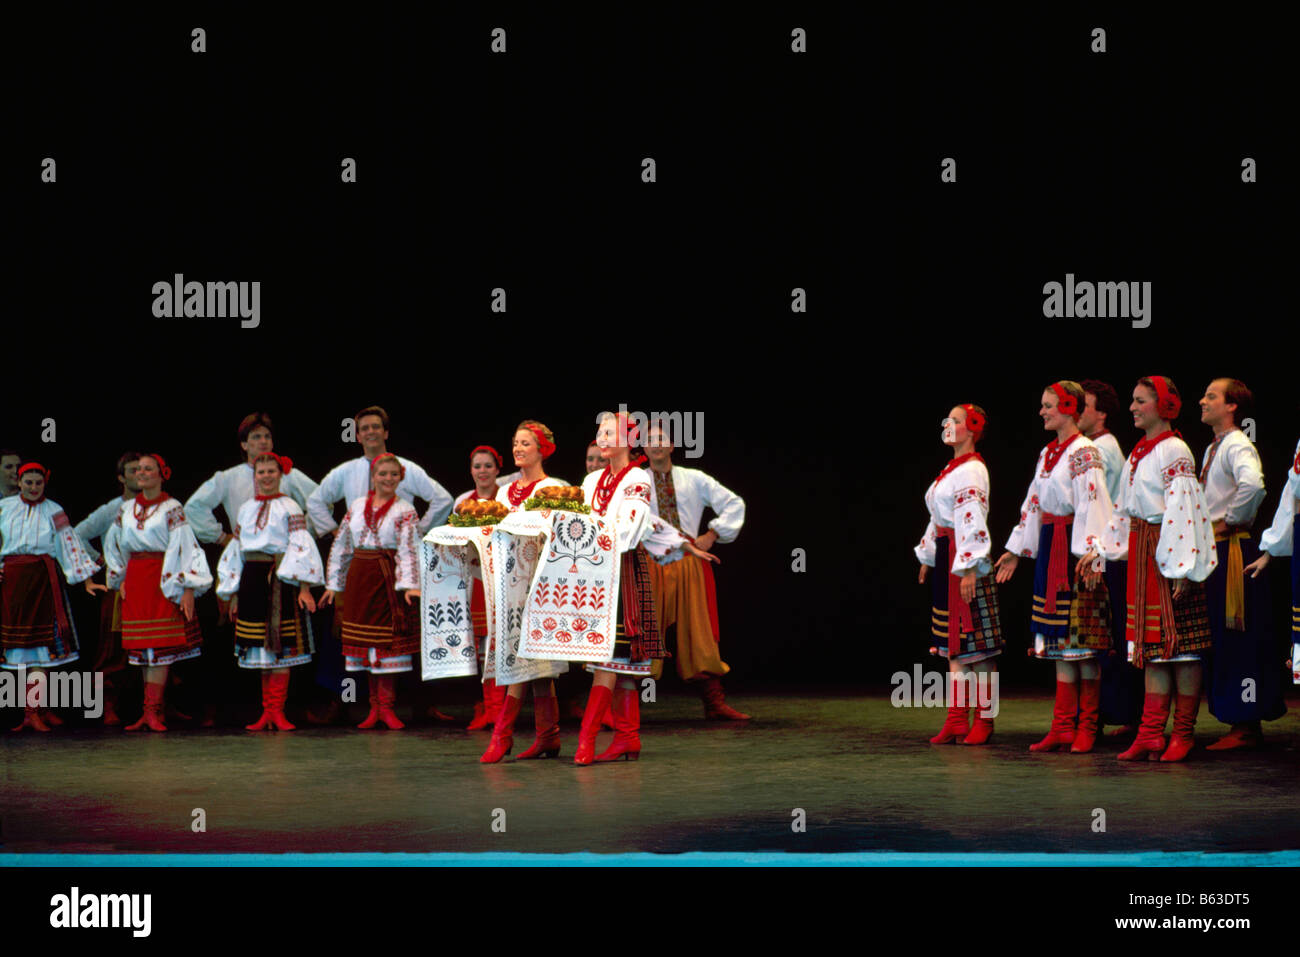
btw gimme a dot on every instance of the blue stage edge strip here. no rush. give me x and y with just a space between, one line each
694 859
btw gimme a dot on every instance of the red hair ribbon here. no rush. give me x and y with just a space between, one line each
974 421
1066 404
1167 404
384 456
545 445
490 451
34 467
285 463
163 471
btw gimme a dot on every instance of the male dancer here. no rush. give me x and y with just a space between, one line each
109 658
1244 685
683 588
9 462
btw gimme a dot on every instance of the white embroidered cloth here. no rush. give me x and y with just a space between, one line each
517 543
571 608
449 559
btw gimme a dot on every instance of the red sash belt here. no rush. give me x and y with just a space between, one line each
52 570
1058 563
1143 540
959 613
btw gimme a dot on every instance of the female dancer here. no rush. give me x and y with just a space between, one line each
373 563
484 465
533 443
1280 540
1161 525
621 493
36 628
158 567
964 618
1066 510
271 542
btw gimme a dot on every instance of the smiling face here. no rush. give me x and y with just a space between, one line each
658 449
128 480
1053 419
1216 411
387 477
258 442
483 467
1143 407
147 476
32 485
593 458
526 451
371 434
607 438
266 473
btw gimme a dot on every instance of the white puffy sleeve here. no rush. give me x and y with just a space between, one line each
407 558
634 521
184 564
115 558
925 548
439 499
1243 462
661 538
1186 548
1277 538
729 506
302 561
73 555
336 573
1092 504
970 521
320 503
200 510
1114 540
1024 537
300 488
229 569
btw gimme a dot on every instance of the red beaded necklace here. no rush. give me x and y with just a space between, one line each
959 460
375 518
141 502
1055 449
606 487
518 498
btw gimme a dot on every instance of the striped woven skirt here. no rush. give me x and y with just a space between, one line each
154 631
1157 628
36 628
982 636
263 598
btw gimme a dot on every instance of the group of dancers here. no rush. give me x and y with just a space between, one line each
1147 584
270 562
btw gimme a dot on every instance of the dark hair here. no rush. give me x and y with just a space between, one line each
269 457
251 422
123 459
372 410
1107 399
14 452
1242 397
1146 382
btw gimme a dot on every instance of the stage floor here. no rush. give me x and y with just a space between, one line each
861 770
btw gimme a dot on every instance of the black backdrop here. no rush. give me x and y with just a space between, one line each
775 170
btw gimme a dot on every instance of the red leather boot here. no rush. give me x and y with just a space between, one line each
31 713
279 693
981 729
597 703
1247 735
503 732
1062 731
955 727
483 713
626 709
715 703
546 718
1089 713
372 718
1183 737
153 709
264 722
388 698
1150 740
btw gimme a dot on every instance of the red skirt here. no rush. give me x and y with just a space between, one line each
478 609
33 608
374 615
149 618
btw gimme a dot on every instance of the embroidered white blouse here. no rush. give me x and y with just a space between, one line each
1277 539
396 530
165 529
284 533
44 529
1076 486
960 501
